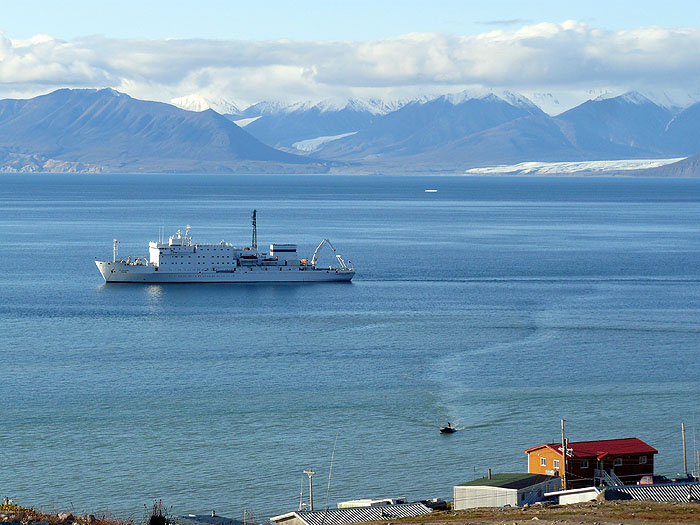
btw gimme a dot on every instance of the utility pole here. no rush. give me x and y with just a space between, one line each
563 457
310 472
685 459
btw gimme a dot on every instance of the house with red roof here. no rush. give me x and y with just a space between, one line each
587 461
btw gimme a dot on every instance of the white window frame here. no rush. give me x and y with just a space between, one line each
642 460
618 462
584 463
556 463
543 462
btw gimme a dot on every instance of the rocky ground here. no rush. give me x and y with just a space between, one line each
18 515
604 513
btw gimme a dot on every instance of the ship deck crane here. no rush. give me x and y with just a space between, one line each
337 256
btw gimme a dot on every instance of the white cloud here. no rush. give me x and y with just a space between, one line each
534 58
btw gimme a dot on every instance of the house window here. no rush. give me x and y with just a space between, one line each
584 463
556 463
618 462
642 460
543 462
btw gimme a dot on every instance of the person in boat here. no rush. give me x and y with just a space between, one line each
449 425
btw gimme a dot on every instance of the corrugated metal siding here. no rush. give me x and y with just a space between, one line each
466 497
360 514
670 492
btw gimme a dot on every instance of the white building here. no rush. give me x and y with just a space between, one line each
507 489
567 497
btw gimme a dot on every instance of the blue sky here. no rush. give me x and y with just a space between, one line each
321 19
555 52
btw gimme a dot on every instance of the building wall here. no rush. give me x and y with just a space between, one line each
535 493
534 462
631 470
470 497
578 475
578 497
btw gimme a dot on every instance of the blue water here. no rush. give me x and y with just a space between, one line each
500 304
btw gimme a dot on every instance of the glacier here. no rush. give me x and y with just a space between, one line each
559 168
310 145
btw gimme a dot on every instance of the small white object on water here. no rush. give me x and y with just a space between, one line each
430 191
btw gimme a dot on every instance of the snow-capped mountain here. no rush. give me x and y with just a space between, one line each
556 102
422 125
372 126
196 102
373 106
334 105
295 126
626 126
105 130
682 133
675 100
512 98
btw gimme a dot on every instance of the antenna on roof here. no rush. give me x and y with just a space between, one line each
310 472
330 472
301 495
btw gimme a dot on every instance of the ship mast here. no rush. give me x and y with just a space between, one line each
255 232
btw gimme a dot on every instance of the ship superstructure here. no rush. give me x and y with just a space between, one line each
180 260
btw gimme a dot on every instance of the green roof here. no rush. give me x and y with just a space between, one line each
509 480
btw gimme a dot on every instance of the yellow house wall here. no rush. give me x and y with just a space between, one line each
534 459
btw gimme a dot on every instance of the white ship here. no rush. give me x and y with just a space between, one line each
181 261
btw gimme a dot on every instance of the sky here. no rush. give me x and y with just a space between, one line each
247 51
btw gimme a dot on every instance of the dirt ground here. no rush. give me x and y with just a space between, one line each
605 513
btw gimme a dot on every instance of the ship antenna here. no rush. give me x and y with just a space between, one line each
255 232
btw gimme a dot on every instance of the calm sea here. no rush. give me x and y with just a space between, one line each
499 304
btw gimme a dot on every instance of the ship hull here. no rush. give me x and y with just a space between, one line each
120 272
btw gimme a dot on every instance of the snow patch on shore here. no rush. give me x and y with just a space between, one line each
592 166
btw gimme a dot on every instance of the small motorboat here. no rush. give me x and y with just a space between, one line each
449 429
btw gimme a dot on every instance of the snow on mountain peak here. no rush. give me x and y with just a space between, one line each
632 97
510 97
197 102
373 105
635 97
673 99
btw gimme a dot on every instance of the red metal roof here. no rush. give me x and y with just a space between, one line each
602 448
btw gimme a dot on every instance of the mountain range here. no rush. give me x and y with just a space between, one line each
104 130
470 130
